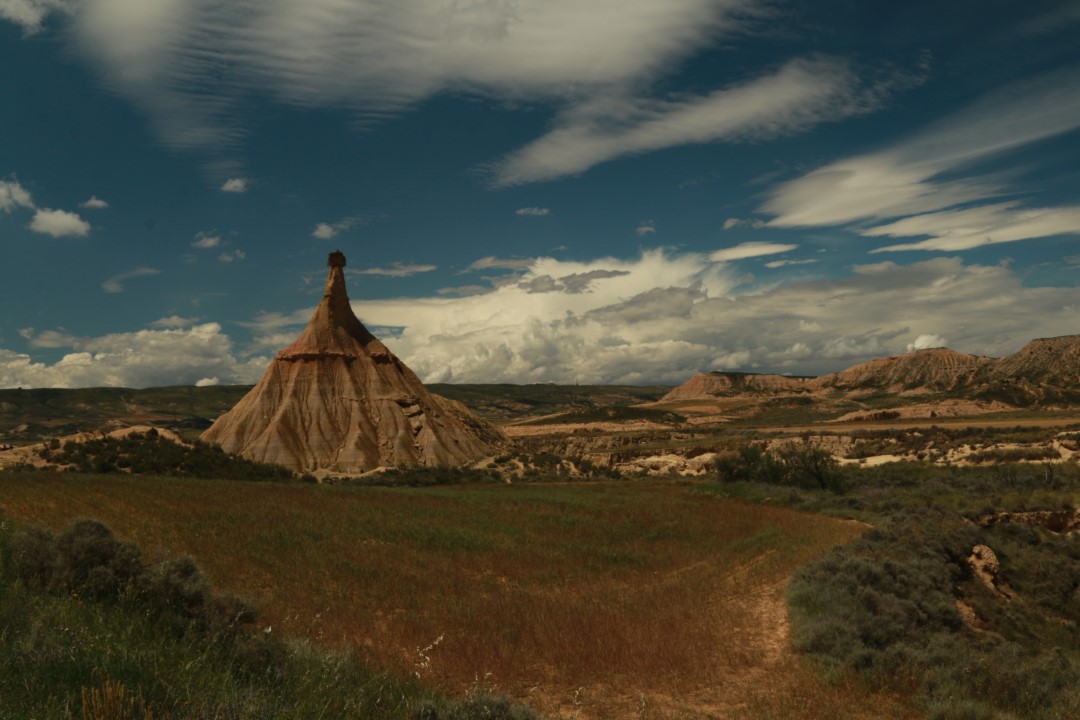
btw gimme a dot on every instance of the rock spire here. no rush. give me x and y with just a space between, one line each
337 401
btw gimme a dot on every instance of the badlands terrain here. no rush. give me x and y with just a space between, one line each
613 552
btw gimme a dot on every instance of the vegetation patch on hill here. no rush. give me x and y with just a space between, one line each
152 453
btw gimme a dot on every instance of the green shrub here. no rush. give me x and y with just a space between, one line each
799 464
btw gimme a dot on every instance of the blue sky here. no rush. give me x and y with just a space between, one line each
561 190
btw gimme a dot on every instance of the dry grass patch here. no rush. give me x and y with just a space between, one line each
592 600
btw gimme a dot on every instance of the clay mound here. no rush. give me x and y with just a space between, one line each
733 384
931 370
1044 371
338 401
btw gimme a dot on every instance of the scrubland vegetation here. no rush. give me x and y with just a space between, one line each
901 605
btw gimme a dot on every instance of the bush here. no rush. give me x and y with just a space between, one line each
85 558
802 464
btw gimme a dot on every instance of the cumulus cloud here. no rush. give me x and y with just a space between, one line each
925 184
533 211
207 382
205 240
115 284
59 223
924 342
13 195
324 231
140 359
235 185
396 269
750 250
174 321
646 227
94 203
669 316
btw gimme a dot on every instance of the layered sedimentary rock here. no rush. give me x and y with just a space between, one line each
338 401
930 370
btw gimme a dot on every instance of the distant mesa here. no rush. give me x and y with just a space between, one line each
337 401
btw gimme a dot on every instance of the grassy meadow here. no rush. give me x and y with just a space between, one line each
621 599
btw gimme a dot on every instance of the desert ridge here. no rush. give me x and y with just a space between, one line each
338 401
1044 372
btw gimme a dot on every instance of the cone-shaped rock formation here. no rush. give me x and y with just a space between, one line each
338 401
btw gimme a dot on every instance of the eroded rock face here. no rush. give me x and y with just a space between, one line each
337 400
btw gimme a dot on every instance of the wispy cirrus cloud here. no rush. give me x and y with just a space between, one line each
396 269
928 185
800 94
746 250
115 284
533 211
491 262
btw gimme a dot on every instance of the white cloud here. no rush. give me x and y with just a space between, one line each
924 179
672 315
324 231
13 195
799 95
139 359
31 14
94 203
233 256
533 211
59 223
396 270
204 240
750 250
115 284
174 321
235 185
190 65
49 338
207 382
924 342
953 230
784 263
647 227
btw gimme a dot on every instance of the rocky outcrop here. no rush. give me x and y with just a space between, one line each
338 401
